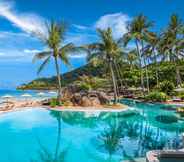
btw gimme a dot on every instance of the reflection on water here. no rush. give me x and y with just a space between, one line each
75 136
54 156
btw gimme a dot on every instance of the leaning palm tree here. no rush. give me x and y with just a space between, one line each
54 40
106 52
137 30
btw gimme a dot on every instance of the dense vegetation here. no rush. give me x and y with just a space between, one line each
154 64
130 76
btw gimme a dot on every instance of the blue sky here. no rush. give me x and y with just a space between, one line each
19 17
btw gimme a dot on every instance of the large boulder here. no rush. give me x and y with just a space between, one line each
85 101
74 94
95 101
104 99
91 98
76 99
69 91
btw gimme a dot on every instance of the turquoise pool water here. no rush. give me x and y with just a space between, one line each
39 135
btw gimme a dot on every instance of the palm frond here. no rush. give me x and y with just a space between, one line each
93 55
64 58
126 39
70 48
41 55
46 61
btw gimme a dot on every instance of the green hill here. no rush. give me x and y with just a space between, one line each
130 76
67 78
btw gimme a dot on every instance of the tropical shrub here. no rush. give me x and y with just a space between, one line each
85 86
156 96
54 102
90 82
181 96
166 87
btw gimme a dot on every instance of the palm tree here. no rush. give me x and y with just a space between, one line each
151 52
132 57
171 44
137 30
106 52
53 39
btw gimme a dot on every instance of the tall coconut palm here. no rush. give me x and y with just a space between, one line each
151 52
171 44
132 57
54 40
137 30
106 52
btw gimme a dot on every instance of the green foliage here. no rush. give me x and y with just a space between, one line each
130 78
182 96
85 86
166 87
162 57
156 96
90 82
54 102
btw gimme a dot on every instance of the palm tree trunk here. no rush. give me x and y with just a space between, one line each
156 70
147 77
178 77
140 64
59 78
119 75
114 82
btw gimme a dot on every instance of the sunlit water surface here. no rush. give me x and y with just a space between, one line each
39 135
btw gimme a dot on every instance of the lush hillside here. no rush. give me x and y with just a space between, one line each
130 76
67 78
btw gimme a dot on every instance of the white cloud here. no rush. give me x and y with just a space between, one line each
27 22
117 21
78 56
16 55
31 51
80 38
80 27
18 46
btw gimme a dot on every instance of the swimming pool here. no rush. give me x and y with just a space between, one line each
39 135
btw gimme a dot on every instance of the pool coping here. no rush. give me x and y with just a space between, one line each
68 109
88 109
